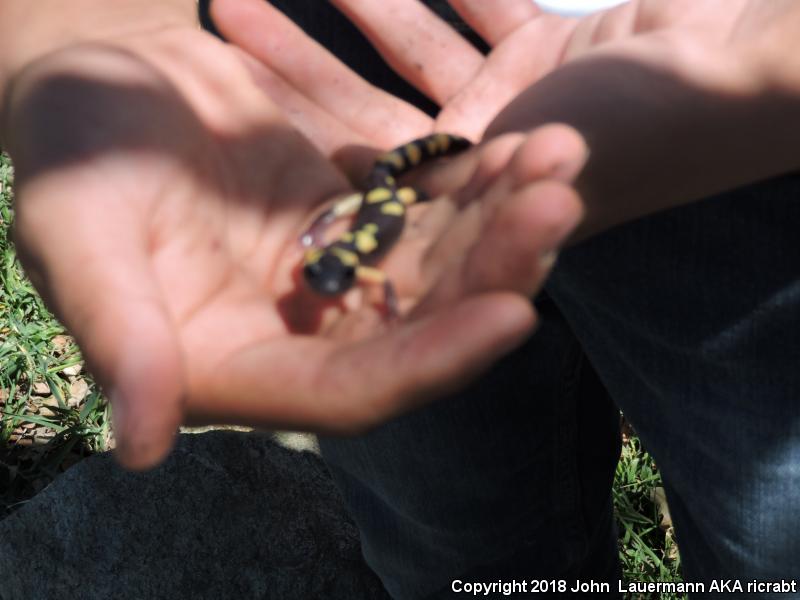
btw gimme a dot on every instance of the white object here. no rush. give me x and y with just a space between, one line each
576 8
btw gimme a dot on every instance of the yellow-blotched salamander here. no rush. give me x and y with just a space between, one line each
379 219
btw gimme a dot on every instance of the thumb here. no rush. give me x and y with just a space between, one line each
90 262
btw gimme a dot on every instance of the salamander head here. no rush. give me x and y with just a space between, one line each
329 275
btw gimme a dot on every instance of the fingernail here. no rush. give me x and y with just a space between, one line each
119 412
131 449
548 259
119 422
569 170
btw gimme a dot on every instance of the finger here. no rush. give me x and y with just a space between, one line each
460 182
326 132
555 151
512 67
518 247
495 155
347 387
506 163
348 149
495 20
510 161
419 46
514 249
94 273
274 39
438 227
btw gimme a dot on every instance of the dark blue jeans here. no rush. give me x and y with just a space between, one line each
690 318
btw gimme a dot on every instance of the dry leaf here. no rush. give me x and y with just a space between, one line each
73 371
60 342
40 388
78 390
659 498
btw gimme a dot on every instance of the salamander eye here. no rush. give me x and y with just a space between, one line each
329 276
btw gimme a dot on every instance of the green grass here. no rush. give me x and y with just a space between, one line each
44 430
647 547
52 413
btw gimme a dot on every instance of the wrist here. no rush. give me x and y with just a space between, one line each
667 124
30 30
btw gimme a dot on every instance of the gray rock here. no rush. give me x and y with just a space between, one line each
228 515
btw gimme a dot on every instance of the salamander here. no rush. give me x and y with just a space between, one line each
379 218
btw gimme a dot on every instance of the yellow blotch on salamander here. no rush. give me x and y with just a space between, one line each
407 195
380 194
346 256
442 142
313 255
413 153
393 208
365 240
394 159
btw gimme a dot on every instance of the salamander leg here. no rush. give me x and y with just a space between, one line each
316 231
372 276
347 206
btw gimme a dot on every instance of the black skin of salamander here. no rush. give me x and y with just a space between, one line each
329 275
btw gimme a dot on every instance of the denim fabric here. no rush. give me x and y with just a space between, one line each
508 479
689 317
692 319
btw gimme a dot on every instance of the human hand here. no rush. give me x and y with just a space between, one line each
679 99
159 198
315 88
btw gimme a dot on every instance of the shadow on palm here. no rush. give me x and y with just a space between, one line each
159 218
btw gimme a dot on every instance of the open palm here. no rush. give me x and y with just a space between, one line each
159 198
